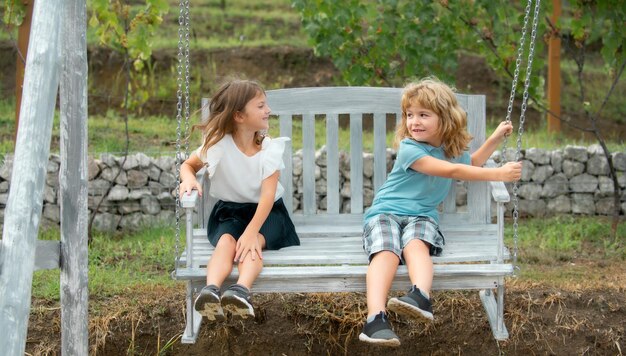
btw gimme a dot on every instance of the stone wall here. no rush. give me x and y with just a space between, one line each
573 180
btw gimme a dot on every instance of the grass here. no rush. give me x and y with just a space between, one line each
566 238
156 135
118 263
145 259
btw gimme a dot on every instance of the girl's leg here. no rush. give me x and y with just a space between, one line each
419 264
221 263
249 269
380 273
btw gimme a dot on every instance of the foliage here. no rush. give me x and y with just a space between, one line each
14 11
389 41
383 42
130 31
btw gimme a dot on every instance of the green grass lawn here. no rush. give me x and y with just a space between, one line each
156 135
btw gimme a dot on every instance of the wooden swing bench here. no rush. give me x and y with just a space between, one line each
331 256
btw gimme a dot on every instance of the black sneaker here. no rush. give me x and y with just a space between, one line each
208 303
236 299
413 304
379 332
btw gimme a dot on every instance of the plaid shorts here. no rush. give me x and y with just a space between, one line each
388 232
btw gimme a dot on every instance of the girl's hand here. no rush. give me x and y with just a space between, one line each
188 185
511 171
248 243
505 129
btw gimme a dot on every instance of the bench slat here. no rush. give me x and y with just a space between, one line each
332 164
352 278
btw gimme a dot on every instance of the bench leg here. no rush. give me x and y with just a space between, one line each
495 311
194 319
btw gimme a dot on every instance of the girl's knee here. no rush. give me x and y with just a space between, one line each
262 242
226 240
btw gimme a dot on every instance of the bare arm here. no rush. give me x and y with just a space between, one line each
483 153
188 171
432 166
248 242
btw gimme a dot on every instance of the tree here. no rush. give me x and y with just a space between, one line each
386 42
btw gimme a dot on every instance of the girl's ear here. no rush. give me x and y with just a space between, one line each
238 116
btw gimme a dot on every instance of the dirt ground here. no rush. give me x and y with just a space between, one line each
579 309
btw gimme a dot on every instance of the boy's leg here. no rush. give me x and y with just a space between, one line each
236 298
419 264
380 274
416 303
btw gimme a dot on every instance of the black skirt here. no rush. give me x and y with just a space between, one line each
233 218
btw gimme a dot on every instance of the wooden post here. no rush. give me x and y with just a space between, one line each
32 148
554 71
23 34
73 181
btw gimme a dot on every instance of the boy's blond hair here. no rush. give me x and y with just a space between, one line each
439 98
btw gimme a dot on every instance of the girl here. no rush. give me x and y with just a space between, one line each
250 215
401 226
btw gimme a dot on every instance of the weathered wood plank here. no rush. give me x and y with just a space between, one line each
32 148
380 149
308 164
352 278
286 176
73 182
356 163
332 164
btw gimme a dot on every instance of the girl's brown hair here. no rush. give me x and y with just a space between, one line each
229 99
439 98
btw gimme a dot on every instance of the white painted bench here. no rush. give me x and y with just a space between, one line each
331 256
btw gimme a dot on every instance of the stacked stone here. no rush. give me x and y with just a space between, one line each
140 190
573 180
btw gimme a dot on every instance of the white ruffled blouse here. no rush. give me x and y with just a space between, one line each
236 177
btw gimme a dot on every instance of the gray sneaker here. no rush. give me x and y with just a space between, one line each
414 304
236 299
379 332
208 303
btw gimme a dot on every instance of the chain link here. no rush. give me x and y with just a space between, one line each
522 118
179 116
518 64
528 72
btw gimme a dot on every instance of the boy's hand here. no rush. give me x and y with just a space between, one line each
505 129
511 171
188 185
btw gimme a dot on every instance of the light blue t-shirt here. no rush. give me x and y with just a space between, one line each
407 192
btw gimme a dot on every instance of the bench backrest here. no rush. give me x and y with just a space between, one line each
355 102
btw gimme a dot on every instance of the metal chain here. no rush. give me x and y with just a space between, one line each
522 118
179 115
518 64
187 76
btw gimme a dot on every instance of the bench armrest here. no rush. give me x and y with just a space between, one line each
191 200
498 189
